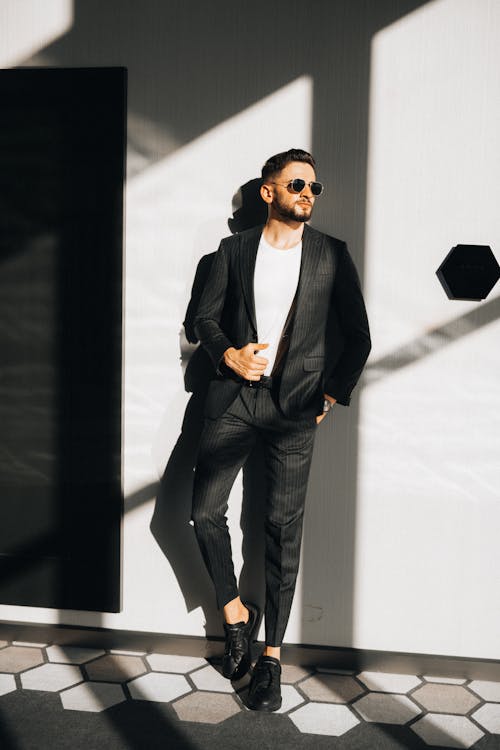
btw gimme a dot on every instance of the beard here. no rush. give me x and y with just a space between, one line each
295 212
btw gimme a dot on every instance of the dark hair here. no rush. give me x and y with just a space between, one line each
279 161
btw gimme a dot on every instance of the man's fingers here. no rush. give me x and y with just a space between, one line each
250 366
255 371
254 345
251 374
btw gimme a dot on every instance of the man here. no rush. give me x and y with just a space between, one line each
283 319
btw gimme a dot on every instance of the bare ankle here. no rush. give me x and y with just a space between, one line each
235 611
272 651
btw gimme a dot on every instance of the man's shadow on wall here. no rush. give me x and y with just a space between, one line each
170 524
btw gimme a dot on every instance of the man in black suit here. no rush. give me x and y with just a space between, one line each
283 320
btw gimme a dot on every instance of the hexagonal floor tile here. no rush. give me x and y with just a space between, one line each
334 688
386 708
385 682
51 677
172 663
489 717
490 691
291 673
93 696
18 658
323 718
115 668
159 687
73 654
447 731
291 698
209 708
445 698
7 683
210 679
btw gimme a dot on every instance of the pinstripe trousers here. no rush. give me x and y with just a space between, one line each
224 447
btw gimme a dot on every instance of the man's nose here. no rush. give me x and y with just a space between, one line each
307 192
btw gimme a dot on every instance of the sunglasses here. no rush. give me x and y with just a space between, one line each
298 185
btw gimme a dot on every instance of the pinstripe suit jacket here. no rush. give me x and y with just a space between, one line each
329 340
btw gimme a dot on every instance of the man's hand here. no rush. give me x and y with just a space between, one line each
332 400
245 362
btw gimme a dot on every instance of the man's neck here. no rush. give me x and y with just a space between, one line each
281 234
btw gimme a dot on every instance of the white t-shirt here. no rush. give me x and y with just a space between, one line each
275 282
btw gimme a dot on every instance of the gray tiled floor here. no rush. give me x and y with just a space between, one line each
442 712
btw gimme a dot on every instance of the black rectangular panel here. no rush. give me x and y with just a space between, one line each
62 162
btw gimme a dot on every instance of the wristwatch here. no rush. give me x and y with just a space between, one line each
327 405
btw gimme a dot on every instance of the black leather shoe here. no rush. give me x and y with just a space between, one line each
239 638
264 693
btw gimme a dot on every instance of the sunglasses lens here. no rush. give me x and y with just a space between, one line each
298 185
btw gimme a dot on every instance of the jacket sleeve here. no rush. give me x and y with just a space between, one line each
208 316
349 305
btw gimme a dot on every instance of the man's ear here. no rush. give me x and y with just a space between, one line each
266 193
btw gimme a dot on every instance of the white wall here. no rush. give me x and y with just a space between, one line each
29 25
427 557
399 545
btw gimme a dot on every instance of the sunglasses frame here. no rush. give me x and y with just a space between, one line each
289 184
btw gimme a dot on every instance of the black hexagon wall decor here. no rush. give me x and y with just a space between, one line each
469 272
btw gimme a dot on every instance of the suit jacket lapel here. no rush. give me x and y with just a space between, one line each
311 252
249 244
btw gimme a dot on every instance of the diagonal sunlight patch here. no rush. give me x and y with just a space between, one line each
177 211
27 26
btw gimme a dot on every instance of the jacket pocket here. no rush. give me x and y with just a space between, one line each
313 363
